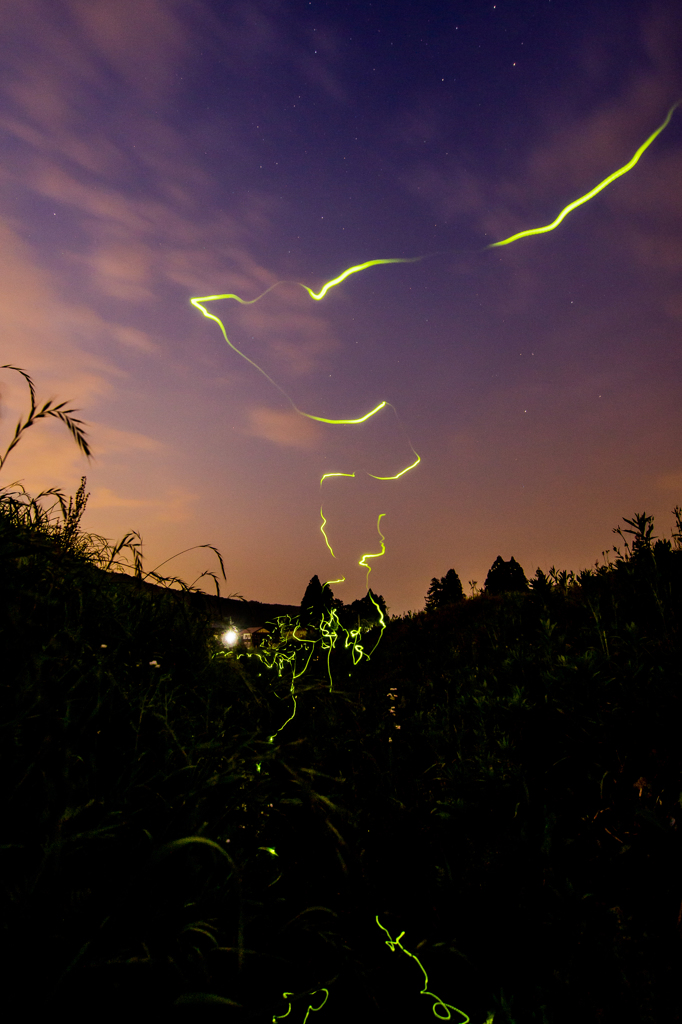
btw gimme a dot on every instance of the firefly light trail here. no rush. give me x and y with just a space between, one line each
392 944
597 188
318 296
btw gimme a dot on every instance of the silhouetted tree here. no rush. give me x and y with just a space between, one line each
446 590
505 576
317 601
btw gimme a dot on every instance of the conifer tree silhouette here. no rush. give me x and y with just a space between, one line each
505 576
444 591
317 600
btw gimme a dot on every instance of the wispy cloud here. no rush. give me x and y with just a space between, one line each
286 428
137 212
132 215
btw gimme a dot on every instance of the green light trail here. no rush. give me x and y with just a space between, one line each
402 471
394 944
285 995
382 627
360 419
327 475
293 649
354 270
324 523
598 188
378 554
198 303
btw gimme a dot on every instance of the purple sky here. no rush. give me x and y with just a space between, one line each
155 150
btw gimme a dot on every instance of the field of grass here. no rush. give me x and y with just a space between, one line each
500 782
479 822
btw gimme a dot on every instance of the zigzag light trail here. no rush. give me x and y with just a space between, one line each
198 302
363 560
394 944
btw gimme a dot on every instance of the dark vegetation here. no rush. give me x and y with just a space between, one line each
444 591
501 782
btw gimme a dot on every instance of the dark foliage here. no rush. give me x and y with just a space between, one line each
501 782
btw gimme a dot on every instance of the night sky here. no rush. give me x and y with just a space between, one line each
158 150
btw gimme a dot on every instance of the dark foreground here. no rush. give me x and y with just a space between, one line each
500 784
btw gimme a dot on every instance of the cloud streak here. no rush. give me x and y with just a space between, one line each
285 428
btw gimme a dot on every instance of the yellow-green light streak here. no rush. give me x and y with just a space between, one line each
590 195
327 475
285 995
438 1004
324 521
360 419
326 538
401 473
198 303
355 270
377 554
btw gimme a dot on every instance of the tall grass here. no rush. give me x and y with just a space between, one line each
500 782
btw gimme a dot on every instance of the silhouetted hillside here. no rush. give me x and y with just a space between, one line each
220 609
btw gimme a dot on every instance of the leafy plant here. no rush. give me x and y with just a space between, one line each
73 425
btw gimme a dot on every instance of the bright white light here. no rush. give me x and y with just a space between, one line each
230 638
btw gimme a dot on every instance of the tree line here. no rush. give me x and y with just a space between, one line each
503 577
